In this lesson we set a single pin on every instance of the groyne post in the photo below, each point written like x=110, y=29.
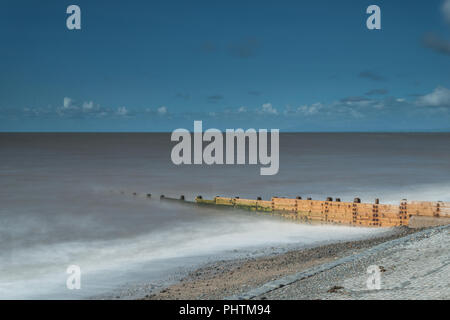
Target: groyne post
x=375, y=220
x=403, y=212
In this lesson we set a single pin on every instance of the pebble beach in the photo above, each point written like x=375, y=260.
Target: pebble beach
x=234, y=279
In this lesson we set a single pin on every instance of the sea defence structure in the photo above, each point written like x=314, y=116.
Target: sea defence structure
x=350, y=213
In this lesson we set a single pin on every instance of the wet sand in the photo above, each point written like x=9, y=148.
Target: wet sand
x=224, y=279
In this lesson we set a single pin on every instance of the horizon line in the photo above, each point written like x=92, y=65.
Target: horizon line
x=405, y=131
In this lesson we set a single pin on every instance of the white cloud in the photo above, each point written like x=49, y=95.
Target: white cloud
x=310, y=109
x=162, y=110
x=356, y=114
x=87, y=106
x=446, y=10
x=122, y=111
x=242, y=109
x=356, y=101
x=268, y=109
x=337, y=108
x=67, y=102
x=379, y=105
x=72, y=109
x=440, y=97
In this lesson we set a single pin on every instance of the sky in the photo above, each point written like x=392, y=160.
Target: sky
x=159, y=65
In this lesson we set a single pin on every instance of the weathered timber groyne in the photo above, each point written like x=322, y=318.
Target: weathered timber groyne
x=335, y=211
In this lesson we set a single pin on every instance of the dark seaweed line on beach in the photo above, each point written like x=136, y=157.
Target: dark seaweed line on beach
x=276, y=284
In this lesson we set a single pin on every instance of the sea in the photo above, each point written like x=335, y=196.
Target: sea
x=81, y=199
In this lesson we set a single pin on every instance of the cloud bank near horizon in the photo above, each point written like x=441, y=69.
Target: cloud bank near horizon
x=348, y=110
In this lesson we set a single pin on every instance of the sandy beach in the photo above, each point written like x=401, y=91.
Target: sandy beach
x=230, y=279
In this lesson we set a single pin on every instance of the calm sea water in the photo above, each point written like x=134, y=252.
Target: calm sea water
x=61, y=202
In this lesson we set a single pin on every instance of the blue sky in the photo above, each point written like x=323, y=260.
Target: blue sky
x=160, y=65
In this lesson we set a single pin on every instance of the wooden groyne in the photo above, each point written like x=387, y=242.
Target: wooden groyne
x=415, y=214
x=337, y=211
